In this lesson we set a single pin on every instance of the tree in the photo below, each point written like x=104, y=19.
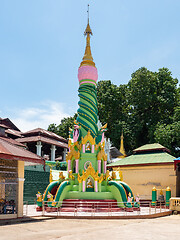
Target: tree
x=147, y=109
x=112, y=108
x=152, y=99
x=63, y=128
x=169, y=134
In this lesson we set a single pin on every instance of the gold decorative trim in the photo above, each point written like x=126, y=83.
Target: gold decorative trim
x=80, y=178
x=120, y=174
x=79, y=146
x=50, y=176
x=102, y=155
x=89, y=138
x=101, y=178
x=39, y=197
x=71, y=175
x=73, y=153
x=113, y=175
x=90, y=172
x=97, y=146
x=69, y=143
x=106, y=175
x=104, y=127
x=100, y=145
x=61, y=176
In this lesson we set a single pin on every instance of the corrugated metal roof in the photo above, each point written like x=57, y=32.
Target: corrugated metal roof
x=151, y=147
x=115, y=152
x=13, y=141
x=10, y=151
x=149, y=158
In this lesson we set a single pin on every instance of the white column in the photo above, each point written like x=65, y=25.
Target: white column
x=64, y=154
x=53, y=150
x=107, y=149
x=38, y=148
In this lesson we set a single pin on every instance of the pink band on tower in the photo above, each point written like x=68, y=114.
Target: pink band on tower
x=87, y=72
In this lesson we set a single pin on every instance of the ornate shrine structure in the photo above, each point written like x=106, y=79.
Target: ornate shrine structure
x=88, y=177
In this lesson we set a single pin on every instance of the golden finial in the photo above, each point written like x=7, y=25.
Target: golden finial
x=88, y=59
x=161, y=192
x=122, y=150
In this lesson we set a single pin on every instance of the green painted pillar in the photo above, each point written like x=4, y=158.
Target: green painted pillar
x=168, y=195
x=80, y=186
x=154, y=196
x=99, y=187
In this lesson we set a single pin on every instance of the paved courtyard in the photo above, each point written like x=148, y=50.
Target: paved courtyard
x=63, y=229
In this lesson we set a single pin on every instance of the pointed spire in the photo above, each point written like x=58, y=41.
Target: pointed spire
x=87, y=59
x=88, y=29
x=122, y=150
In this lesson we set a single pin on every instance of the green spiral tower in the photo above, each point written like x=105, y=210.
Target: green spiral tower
x=87, y=75
x=88, y=178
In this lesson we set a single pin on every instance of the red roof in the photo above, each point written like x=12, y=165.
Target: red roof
x=3, y=126
x=14, y=132
x=9, y=151
x=40, y=131
x=10, y=140
x=8, y=123
x=42, y=139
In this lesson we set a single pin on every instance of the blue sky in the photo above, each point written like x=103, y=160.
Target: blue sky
x=42, y=44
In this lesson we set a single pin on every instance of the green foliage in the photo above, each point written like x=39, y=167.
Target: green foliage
x=169, y=135
x=63, y=128
x=152, y=98
x=113, y=109
x=147, y=109
x=149, y=100
x=61, y=166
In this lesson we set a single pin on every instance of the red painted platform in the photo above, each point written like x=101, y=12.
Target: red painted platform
x=89, y=203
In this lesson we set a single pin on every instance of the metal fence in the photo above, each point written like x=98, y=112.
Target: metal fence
x=82, y=208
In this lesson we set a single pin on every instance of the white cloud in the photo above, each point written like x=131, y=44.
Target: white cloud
x=40, y=116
